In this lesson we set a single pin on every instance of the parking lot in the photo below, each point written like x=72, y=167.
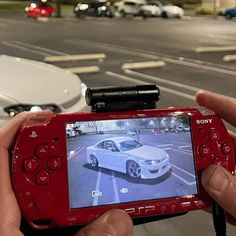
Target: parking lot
x=181, y=56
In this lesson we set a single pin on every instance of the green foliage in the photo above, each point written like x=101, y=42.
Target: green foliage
x=20, y=5
x=207, y=11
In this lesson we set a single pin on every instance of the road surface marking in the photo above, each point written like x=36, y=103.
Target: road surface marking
x=116, y=194
x=164, y=145
x=142, y=65
x=136, y=81
x=77, y=151
x=157, y=79
x=118, y=49
x=42, y=49
x=168, y=82
x=95, y=200
x=83, y=69
x=185, y=181
x=186, y=172
x=183, y=151
x=216, y=49
x=228, y=58
x=64, y=58
x=43, y=19
x=24, y=48
x=150, y=55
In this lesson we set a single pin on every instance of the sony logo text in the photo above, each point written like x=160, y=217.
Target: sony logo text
x=203, y=121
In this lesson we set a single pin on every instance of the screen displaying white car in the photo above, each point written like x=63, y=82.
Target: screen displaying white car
x=129, y=156
x=119, y=158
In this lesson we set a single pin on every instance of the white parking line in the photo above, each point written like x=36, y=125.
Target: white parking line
x=157, y=79
x=115, y=188
x=168, y=82
x=228, y=58
x=136, y=81
x=150, y=55
x=183, y=148
x=110, y=47
x=24, y=48
x=186, y=172
x=142, y=65
x=95, y=56
x=182, y=151
x=43, y=19
x=164, y=145
x=83, y=69
x=97, y=188
x=49, y=51
x=185, y=181
x=78, y=150
x=216, y=49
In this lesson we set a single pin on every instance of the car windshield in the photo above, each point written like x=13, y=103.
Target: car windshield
x=129, y=144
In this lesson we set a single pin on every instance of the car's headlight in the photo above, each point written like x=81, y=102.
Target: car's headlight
x=13, y=110
x=83, y=88
x=149, y=162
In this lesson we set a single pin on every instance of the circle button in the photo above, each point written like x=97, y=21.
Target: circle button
x=226, y=148
x=204, y=150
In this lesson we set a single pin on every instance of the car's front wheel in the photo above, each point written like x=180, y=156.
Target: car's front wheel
x=164, y=14
x=133, y=169
x=93, y=161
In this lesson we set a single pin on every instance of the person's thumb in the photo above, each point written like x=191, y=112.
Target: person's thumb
x=221, y=186
x=113, y=223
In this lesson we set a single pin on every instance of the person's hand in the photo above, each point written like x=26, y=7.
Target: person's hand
x=113, y=223
x=217, y=181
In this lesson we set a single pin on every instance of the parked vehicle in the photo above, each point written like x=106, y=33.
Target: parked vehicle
x=93, y=8
x=34, y=85
x=70, y=132
x=126, y=155
x=39, y=9
x=165, y=10
x=150, y=9
x=229, y=13
x=130, y=7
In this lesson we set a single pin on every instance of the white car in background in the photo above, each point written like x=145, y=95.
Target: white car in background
x=130, y=7
x=126, y=155
x=27, y=85
x=165, y=10
x=150, y=9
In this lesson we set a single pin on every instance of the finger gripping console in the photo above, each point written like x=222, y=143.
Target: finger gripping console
x=69, y=169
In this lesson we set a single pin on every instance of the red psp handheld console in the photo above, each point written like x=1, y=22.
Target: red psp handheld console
x=68, y=169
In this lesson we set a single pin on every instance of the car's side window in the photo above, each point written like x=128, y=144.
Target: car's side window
x=114, y=147
x=101, y=145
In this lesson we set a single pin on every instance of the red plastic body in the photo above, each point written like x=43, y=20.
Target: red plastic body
x=47, y=204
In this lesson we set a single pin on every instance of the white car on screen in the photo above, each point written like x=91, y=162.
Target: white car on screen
x=129, y=156
x=28, y=85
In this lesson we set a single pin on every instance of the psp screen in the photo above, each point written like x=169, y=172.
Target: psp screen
x=120, y=161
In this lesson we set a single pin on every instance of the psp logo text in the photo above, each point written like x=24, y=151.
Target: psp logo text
x=203, y=121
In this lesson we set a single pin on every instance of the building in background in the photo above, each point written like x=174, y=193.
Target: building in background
x=219, y=3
